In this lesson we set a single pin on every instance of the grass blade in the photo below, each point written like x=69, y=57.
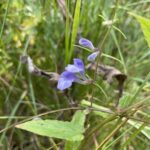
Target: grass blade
x=74, y=28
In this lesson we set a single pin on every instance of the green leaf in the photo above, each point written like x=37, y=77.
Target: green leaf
x=145, y=25
x=54, y=128
x=67, y=32
x=104, y=111
x=75, y=27
x=78, y=119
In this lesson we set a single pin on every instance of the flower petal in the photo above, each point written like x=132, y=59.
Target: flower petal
x=63, y=84
x=86, y=43
x=69, y=76
x=72, y=68
x=79, y=64
x=92, y=56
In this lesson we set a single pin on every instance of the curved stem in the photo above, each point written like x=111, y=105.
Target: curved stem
x=90, y=133
x=116, y=130
x=102, y=43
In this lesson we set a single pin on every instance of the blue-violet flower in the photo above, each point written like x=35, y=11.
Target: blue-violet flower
x=88, y=44
x=73, y=73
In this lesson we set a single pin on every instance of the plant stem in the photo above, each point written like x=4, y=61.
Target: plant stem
x=89, y=135
x=115, y=130
x=102, y=43
x=4, y=20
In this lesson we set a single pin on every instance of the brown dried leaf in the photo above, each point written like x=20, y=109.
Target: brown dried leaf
x=51, y=76
x=109, y=73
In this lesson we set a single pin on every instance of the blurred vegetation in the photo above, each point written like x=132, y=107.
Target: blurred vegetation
x=38, y=28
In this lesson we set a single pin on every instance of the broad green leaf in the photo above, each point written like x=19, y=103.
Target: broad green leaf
x=72, y=145
x=145, y=25
x=78, y=119
x=54, y=128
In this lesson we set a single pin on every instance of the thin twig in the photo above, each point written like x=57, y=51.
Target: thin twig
x=50, y=112
x=115, y=130
x=98, y=57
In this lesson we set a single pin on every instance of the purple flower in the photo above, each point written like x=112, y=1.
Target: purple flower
x=86, y=43
x=92, y=56
x=65, y=80
x=74, y=73
x=78, y=66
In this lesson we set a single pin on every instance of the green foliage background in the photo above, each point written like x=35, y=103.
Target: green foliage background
x=38, y=28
